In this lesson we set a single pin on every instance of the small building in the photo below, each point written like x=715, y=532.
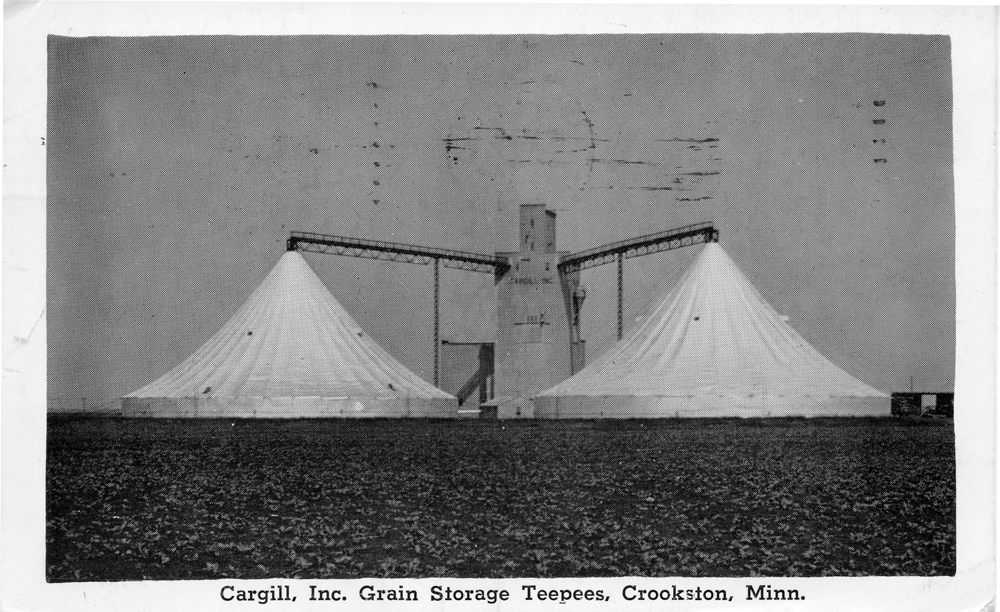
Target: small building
x=920, y=403
x=467, y=372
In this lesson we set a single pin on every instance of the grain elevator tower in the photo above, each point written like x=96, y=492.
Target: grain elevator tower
x=539, y=296
x=535, y=346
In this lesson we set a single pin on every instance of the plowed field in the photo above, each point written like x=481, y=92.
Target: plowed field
x=146, y=499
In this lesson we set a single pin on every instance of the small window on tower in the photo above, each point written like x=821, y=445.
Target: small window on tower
x=532, y=223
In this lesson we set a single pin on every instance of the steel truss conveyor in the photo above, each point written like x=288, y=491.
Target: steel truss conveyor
x=668, y=240
x=396, y=251
x=496, y=264
x=408, y=253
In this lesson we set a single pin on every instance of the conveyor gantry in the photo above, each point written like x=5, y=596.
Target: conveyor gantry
x=498, y=264
x=396, y=251
x=668, y=240
x=409, y=253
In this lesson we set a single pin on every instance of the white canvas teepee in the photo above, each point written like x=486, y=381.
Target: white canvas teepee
x=712, y=348
x=290, y=351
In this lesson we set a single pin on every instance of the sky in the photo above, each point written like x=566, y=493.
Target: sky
x=176, y=167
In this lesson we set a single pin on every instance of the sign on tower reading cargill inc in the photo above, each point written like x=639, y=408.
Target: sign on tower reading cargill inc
x=538, y=340
x=533, y=344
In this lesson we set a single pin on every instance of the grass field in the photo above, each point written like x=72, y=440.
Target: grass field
x=144, y=499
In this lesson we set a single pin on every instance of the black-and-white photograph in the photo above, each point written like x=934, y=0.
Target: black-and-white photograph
x=500, y=306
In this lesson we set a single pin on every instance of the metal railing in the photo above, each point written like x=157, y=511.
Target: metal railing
x=396, y=251
x=676, y=238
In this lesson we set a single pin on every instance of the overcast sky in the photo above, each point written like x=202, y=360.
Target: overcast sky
x=177, y=166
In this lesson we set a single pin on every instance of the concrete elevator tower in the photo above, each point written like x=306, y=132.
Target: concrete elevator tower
x=539, y=296
x=537, y=339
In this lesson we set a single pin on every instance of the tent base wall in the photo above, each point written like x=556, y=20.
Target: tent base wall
x=706, y=406
x=287, y=407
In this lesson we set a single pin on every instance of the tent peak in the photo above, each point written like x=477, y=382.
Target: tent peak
x=711, y=347
x=290, y=351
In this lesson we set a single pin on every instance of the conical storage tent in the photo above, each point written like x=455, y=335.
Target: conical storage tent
x=712, y=348
x=291, y=351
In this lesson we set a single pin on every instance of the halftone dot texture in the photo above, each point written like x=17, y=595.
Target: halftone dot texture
x=290, y=351
x=713, y=347
x=177, y=166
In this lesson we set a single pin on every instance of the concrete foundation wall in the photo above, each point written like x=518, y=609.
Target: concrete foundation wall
x=287, y=407
x=653, y=407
